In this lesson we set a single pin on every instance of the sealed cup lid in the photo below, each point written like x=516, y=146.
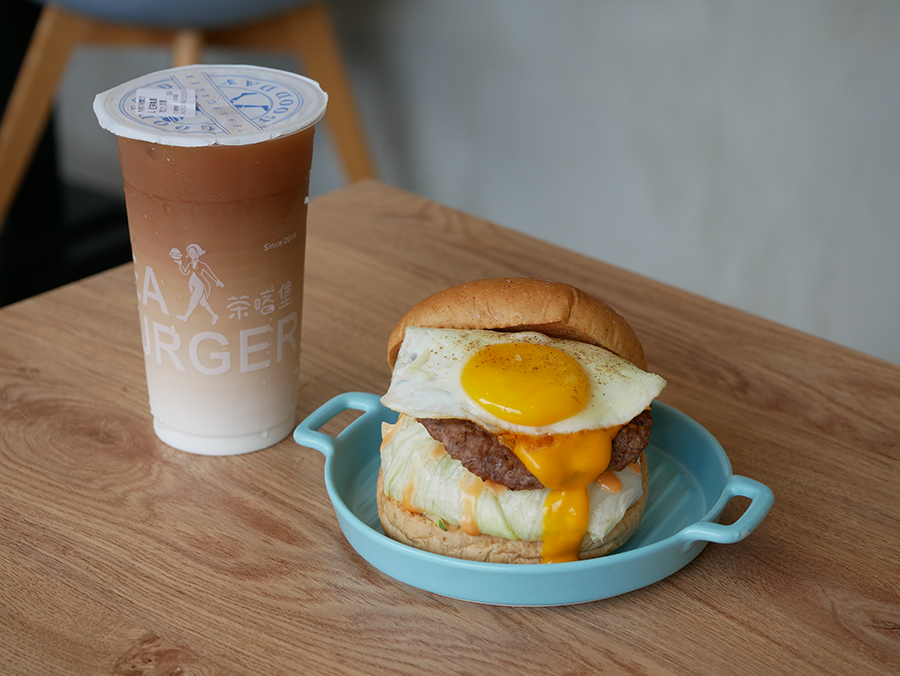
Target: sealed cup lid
x=207, y=105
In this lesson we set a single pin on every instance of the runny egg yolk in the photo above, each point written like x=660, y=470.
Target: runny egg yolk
x=526, y=383
x=536, y=385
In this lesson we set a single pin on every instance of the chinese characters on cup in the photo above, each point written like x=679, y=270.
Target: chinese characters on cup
x=163, y=342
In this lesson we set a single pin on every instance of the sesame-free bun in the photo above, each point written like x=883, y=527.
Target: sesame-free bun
x=421, y=532
x=523, y=304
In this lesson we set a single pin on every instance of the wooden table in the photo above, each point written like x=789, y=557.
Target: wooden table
x=119, y=555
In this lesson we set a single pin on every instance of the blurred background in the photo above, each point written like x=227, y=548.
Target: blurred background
x=746, y=151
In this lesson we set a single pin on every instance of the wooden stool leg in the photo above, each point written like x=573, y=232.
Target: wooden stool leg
x=312, y=38
x=188, y=48
x=307, y=32
x=28, y=109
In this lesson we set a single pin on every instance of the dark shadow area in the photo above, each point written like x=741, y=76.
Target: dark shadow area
x=54, y=234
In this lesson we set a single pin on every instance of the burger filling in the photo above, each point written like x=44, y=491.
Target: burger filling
x=488, y=457
x=420, y=474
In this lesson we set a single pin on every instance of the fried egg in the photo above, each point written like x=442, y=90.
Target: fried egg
x=522, y=383
x=557, y=403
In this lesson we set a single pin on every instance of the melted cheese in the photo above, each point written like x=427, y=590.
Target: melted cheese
x=566, y=464
x=565, y=523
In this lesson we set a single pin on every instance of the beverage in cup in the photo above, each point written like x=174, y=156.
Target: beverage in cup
x=216, y=161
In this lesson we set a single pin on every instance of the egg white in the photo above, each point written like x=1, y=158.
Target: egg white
x=426, y=382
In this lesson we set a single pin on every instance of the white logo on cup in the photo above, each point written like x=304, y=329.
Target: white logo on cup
x=200, y=281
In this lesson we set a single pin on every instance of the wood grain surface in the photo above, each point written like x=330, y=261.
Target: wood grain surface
x=119, y=555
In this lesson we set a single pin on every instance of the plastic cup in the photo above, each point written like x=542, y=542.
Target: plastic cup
x=216, y=161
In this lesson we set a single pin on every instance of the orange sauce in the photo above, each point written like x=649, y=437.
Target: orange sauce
x=609, y=482
x=409, y=492
x=390, y=430
x=470, y=487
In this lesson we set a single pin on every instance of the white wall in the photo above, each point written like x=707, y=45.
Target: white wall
x=746, y=151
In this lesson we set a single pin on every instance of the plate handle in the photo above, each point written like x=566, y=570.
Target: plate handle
x=761, y=500
x=307, y=432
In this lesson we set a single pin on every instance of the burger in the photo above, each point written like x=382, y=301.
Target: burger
x=524, y=411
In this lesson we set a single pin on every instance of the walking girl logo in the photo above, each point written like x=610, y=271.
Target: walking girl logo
x=200, y=280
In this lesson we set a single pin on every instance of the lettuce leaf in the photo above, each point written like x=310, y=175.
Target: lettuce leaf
x=418, y=472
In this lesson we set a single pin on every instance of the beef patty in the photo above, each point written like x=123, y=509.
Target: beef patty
x=486, y=456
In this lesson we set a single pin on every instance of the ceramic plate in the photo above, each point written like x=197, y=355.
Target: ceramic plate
x=690, y=484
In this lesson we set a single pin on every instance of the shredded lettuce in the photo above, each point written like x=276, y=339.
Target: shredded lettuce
x=411, y=458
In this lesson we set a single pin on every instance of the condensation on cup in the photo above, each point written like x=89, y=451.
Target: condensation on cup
x=215, y=161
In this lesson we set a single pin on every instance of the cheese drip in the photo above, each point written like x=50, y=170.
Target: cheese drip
x=566, y=464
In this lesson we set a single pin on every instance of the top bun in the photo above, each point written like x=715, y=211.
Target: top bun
x=523, y=304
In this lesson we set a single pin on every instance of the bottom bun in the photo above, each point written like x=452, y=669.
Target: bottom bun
x=421, y=532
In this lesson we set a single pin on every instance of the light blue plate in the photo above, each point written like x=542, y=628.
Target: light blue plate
x=690, y=484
